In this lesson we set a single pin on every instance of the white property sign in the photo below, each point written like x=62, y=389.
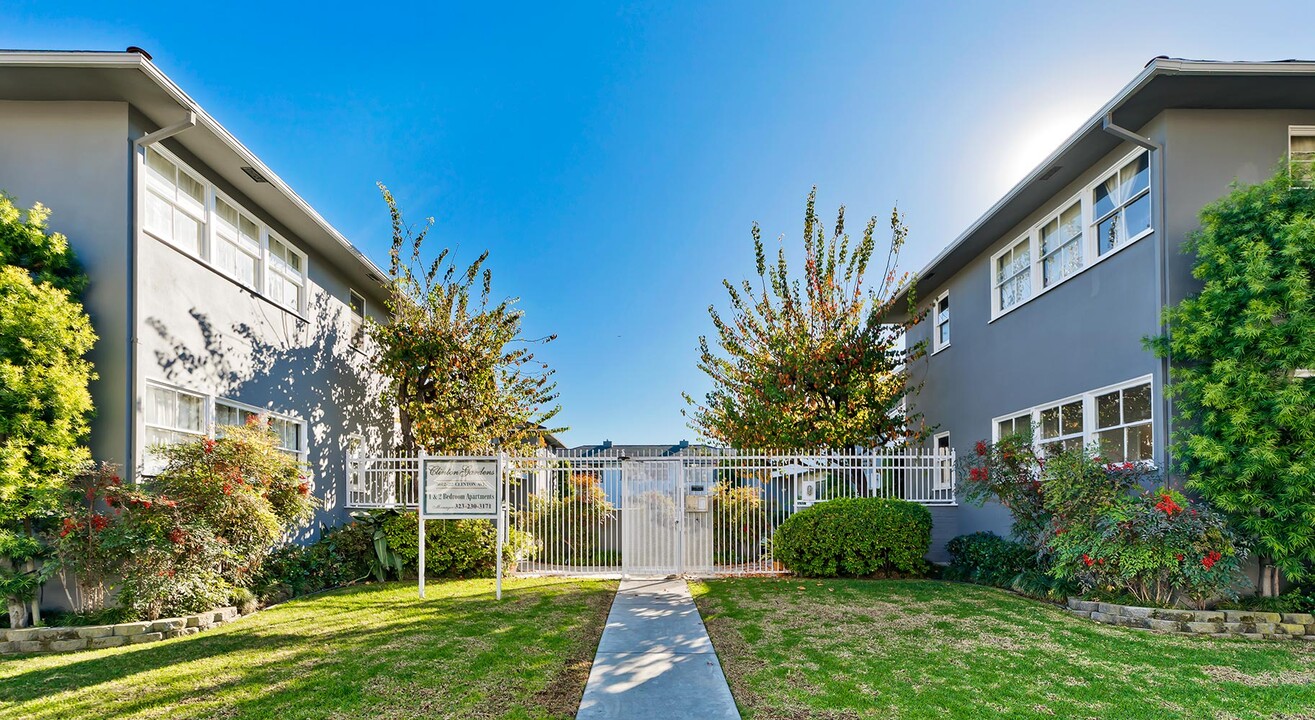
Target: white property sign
x=459, y=488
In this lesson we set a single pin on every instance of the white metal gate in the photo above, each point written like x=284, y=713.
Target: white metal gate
x=695, y=511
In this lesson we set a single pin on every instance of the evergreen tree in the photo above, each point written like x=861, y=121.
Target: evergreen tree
x=1245, y=437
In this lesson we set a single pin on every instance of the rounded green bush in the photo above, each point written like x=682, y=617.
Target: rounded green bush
x=855, y=537
x=988, y=559
x=453, y=548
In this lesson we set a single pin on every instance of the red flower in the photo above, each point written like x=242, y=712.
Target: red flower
x=1059, y=531
x=1179, y=556
x=91, y=493
x=99, y=522
x=146, y=504
x=209, y=445
x=978, y=474
x=176, y=536
x=115, y=480
x=1211, y=558
x=980, y=448
x=228, y=489
x=304, y=488
x=1087, y=559
x=1100, y=560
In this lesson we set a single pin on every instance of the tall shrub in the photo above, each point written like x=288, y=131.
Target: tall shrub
x=1245, y=430
x=45, y=404
x=818, y=359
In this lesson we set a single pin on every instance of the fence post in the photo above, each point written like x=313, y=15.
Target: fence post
x=502, y=519
x=420, y=511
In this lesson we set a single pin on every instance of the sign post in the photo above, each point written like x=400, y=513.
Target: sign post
x=461, y=488
x=502, y=524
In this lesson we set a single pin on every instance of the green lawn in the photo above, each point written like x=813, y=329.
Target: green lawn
x=928, y=649
x=368, y=652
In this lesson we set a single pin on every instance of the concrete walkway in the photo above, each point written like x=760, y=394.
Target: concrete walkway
x=655, y=660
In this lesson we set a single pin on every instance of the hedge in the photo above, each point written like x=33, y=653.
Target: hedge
x=855, y=537
x=453, y=548
x=988, y=559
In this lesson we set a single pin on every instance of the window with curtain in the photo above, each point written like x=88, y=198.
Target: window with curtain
x=174, y=204
x=285, y=276
x=1013, y=274
x=1061, y=245
x=1121, y=205
x=236, y=244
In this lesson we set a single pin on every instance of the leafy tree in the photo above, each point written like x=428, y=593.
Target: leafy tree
x=44, y=400
x=1245, y=437
x=817, y=361
x=463, y=377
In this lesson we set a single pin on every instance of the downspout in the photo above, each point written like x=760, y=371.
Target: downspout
x=1158, y=202
x=130, y=413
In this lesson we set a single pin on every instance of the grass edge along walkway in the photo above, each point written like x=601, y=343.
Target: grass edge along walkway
x=930, y=649
x=365, y=651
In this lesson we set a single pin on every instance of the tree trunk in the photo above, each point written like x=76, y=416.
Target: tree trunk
x=1269, y=579
x=17, y=613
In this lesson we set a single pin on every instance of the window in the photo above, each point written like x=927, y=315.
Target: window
x=286, y=274
x=178, y=207
x=1301, y=154
x=944, y=478
x=173, y=205
x=1061, y=427
x=237, y=246
x=357, y=329
x=1013, y=274
x=1099, y=219
x=1061, y=245
x=1121, y=205
x=1013, y=426
x=292, y=438
x=230, y=415
x=942, y=338
x=1123, y=424
x=171, y=416
x=1118, y=418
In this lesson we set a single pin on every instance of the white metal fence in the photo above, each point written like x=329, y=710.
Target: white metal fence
x=696, y=511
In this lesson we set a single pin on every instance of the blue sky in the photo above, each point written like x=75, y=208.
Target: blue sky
x=613, y=157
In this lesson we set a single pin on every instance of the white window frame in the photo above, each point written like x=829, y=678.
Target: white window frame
x=1090, y=433
x=997, y=308
x=1089, y=243
x=357, y=320
x=206, y=253
x=944, y=478
x=1095, y=221
x=937, y=345
x=150, y=463
x=1299, y=131
x=144, y=189
x=300, y=281
x=209, y=412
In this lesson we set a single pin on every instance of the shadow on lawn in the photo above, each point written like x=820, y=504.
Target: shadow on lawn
x=318, y=655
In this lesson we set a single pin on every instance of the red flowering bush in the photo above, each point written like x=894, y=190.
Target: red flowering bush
x=1156, y=546
x=1009, y=472
x=184, y=540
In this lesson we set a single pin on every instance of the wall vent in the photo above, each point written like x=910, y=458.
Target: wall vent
x=251, y=173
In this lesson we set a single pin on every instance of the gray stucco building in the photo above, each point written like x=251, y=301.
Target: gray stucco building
x=1037, y=312
x=216, y=291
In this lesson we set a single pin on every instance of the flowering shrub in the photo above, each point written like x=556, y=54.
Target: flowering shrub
x=1157, y=546
x=1009, y=472
x=200, y=528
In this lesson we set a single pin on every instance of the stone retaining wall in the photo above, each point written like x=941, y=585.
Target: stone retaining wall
x=1216, y=623
x=63, y=639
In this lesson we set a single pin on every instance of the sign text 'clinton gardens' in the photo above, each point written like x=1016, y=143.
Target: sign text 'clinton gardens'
x=460, y=488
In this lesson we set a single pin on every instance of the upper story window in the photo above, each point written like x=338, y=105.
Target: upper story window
x=1102, y=217
x=174, y=204
x=1061, y=245
x=357, y=329
x=1301, y=154
x=1122, y=205
x=1013, y=274
x=180, y=208
x=285, y=281
x=1118, y=418
x=942, y=338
